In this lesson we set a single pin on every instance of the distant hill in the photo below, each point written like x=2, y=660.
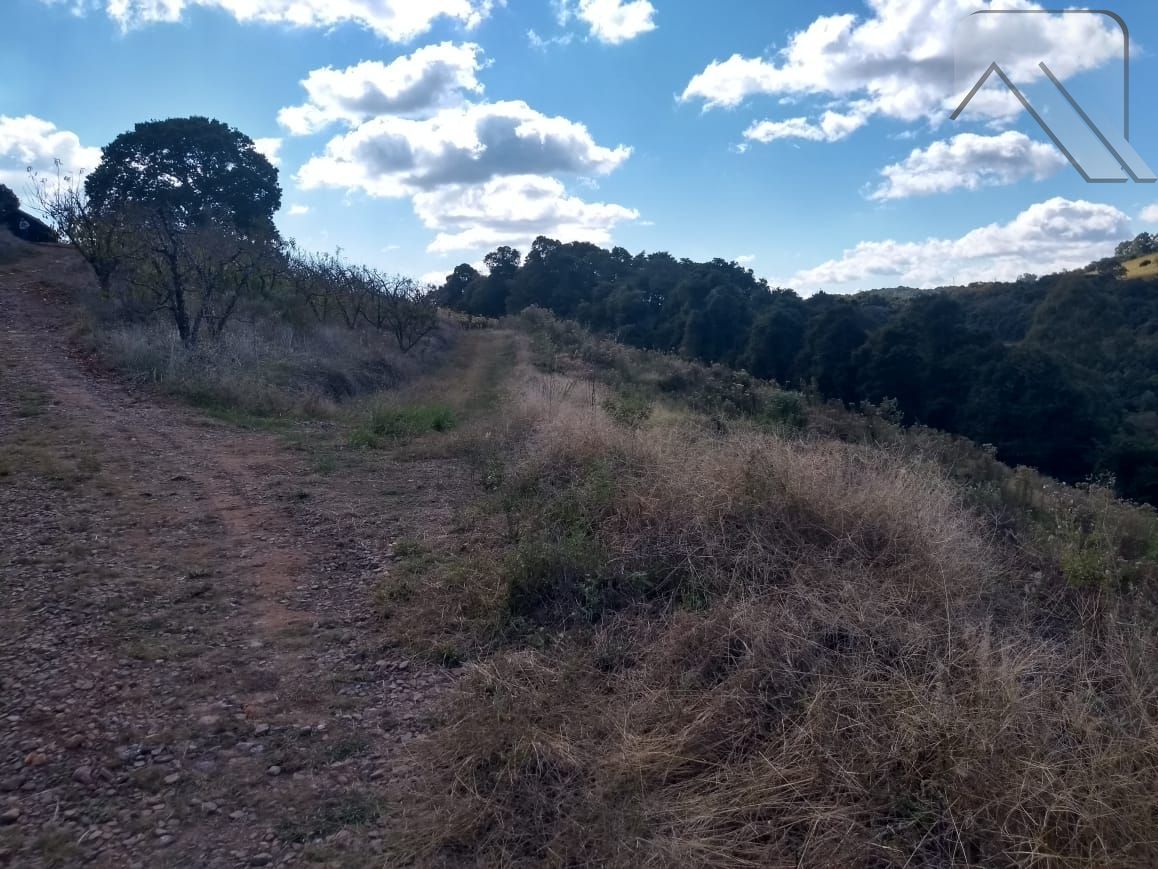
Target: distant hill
x=1057, y=372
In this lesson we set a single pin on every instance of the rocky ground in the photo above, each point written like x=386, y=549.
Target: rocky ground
x=192, y=672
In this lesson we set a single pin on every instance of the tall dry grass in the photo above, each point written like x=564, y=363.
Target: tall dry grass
x=739, y=649
x=263, y=367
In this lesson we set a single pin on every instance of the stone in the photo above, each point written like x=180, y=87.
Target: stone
x=83, y=775
x=11, y=816
x=274, y=770
x=262, y=859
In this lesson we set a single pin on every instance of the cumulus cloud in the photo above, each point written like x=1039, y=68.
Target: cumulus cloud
x=1049, y=236
x=969, y=162
x=832, y=127
x=392, y=157
x=513, y=210
x=477, y=173
x=396, y=20
x=433, y=77
x=1149, y=214
x=612, y=21
x=271, y=148
x=298, y=210
x=901, y=62
x=29, y=141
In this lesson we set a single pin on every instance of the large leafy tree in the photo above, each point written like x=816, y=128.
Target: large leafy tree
x=190, y=170
x=197, y=200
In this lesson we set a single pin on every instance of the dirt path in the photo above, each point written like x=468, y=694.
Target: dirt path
x=191, y=669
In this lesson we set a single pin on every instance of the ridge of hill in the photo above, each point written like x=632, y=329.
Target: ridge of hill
x=1056, y=372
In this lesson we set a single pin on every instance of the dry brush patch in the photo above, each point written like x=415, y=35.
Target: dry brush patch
x=741, y=649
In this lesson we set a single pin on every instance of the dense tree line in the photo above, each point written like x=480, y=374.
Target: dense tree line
x=1059, y=373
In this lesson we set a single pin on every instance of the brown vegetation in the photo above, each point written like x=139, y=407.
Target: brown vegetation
x=698, y=642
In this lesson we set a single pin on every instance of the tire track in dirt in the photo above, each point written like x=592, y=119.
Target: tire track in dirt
x=202, y=681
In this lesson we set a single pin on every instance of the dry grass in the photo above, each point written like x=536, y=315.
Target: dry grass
x=742, y=649
x=1142, y=267
x=263, y=368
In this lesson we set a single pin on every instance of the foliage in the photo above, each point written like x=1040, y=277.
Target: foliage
x=191, y=170
x=1056, y=372
x=387, y=425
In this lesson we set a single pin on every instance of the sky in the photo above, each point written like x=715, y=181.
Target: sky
x=811, y=142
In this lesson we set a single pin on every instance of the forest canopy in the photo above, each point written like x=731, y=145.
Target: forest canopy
x=1058, y=373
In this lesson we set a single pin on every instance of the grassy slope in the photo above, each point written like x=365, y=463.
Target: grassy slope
x=1135, y=269
x=701, y=639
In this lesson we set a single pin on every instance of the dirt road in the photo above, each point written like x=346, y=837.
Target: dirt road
x=191, y=669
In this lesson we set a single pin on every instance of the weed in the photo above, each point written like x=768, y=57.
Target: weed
x=390, y=426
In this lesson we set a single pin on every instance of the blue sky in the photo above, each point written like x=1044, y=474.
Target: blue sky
x=809, y=141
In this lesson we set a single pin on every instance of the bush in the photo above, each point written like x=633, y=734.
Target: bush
x=387, y=425
x=261, y=369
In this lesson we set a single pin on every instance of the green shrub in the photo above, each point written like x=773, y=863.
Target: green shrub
x=785, y=410
x=388, y=425
x=631, y=410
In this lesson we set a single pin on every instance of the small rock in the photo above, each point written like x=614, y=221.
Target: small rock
x=83, y=775
x=12, y=783
x=165, y=841
x=172, y=779
x=10, y=817
x=262, y=859
x=261, y=730
x=37, y=758
x=274, y=770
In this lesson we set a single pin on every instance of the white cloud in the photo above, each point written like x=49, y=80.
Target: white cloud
x=1149, y=214
x=392, y=157
x=29, y=141
x=271, y=148
x=513, y=210
x=418, y=84
x=477, y=174
x=1047, y=237
x=396, y=20
x=832, y=127
x=612, y=21
x=901, y=61
x=298, y=210
x=747, y=259
x=544, y=42
x=969, y=161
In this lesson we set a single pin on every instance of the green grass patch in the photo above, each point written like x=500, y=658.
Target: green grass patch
x=387, y=426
